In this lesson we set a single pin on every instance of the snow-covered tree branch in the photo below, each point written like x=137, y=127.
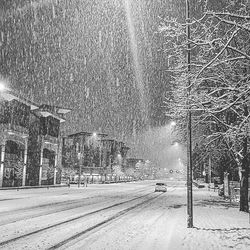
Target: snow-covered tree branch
x=219, y=80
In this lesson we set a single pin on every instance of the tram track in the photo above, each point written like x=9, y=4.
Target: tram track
x=55, y=225
x=68, y=205
x=101, y=224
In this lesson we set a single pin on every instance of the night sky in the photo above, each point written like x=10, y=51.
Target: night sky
x=101, y=58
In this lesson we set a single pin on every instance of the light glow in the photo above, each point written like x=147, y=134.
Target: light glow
x=2, y=87
x=173, y=123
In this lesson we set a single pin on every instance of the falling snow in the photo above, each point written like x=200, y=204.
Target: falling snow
x=99, y=58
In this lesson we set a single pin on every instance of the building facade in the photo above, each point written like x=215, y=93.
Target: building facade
x=44, y=147
x=30, y=141
x=14, y=132
x=92, y=156
x=82, y=156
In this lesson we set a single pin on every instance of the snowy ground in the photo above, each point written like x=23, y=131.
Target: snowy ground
x=119, y=216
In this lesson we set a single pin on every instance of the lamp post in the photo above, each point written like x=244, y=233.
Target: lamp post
x=101, y=171
x=79, y=156
x=189, y=124
x=111, y=165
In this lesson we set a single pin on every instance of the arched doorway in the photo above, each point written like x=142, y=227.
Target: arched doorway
x=48, y=167
x=13, y=164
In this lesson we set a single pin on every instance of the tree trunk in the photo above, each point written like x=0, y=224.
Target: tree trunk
x=244, y=181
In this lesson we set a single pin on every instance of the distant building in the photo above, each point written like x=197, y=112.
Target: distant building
x=93, y=154
x=82, y=154
x=133, y=162
x=115, y=155
x=142, y=169
x=110, y=152
x=124, y=152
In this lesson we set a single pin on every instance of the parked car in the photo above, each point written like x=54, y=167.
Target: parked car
x=160, y=187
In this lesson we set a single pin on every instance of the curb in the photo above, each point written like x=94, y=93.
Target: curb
x=33, y=187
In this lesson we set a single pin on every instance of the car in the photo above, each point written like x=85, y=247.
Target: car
x=160, y=187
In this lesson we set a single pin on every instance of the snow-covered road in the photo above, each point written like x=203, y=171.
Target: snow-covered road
x=119, y=216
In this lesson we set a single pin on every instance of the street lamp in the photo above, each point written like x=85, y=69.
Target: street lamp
x=119, y=158
x=111, y=165
x=2, y=87
x=79, y=156
x=189, y=123
x=172, y=123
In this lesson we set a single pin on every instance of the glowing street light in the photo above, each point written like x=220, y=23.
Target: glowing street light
x=172, y=123
x=119, y=158
x=2, y=87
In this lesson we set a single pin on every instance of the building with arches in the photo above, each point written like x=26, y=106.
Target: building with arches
x=30, y=141
x=14, y=133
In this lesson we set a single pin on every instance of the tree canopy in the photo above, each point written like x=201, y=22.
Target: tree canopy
x=218, y=79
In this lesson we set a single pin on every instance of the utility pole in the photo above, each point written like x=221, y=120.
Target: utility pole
x=189, y=124
x=100, y=160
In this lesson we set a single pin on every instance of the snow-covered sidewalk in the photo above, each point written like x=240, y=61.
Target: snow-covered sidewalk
x=218, y=225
